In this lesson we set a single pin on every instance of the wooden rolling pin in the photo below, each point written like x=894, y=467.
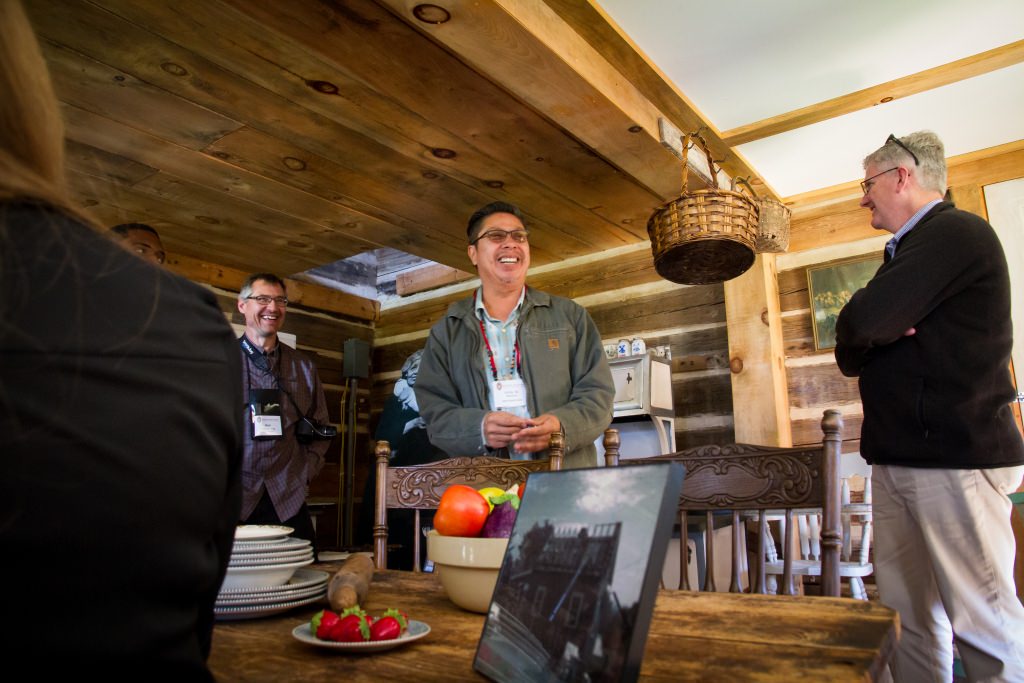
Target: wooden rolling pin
x=350, y=584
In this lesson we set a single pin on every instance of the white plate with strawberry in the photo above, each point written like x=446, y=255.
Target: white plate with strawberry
x=355, y=631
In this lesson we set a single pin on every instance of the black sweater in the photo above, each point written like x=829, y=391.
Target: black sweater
x=120, y=448
x=938, y=398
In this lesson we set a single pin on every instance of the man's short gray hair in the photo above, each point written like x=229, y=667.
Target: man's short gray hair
x=246, y=290
x=930, y=153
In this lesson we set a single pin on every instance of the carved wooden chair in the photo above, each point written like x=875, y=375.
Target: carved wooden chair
x=754, y=481
x=420, y=487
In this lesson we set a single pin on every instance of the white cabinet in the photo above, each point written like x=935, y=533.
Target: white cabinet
x=643, y=385
x=643, y=409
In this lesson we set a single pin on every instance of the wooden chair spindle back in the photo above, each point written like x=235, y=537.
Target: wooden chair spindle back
x=751, y=481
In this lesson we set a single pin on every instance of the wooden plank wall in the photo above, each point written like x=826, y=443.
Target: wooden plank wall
x=813, y=378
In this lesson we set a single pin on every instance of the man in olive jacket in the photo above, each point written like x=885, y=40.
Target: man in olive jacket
x=509, y=366
x=930, y=338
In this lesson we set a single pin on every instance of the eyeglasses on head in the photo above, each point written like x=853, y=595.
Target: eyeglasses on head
x=896, y=141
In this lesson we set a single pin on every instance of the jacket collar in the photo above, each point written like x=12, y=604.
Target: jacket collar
x=463, y=308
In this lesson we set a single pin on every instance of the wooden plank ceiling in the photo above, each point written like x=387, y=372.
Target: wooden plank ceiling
x=283, y=136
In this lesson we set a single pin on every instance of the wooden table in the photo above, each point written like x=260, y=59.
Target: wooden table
x=693, y=637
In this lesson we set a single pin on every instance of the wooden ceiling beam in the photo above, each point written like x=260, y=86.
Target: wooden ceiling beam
x=429, y=277
x=987, y=166
x=595, y=26
x=547, y=64
x=305, y=294
x=968, y=67
x=418, y=98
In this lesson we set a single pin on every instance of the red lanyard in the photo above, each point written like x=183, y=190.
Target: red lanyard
x=490, y=354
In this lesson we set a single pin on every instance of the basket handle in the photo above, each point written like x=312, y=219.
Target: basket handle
x=746, y=182
x=698, y=141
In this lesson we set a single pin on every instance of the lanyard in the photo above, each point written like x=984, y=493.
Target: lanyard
x=260, y=360
x=490, y=353
x=258, y=357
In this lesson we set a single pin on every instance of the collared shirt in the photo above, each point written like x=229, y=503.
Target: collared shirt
x=892, y=244
x=501, y=336
x=283, y=467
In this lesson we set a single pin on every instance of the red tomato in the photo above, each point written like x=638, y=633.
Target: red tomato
x=461, y=512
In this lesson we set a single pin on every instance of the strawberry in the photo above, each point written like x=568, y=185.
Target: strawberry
x=322, y=623
x=385, y=628
x=350, y=629
x=401, y=617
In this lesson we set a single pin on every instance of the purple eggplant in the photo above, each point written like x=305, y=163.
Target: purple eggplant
x=499, y=523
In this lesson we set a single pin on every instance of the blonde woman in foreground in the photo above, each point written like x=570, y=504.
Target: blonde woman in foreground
x=120, y=422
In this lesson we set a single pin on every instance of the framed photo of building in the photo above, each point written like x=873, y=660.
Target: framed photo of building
x=576, y=589
x=829, y=287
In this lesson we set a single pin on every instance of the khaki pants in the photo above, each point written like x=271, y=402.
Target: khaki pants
x=944, y=553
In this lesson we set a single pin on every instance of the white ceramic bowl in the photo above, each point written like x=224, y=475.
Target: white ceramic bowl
x=261, y=577
x=468, y=567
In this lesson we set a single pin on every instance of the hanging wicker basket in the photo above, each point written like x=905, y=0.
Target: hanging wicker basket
x=772, y=225
x=706, y=236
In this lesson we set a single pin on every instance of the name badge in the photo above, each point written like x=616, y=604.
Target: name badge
x=264, y=426
x=265, y=413
x=508, y=393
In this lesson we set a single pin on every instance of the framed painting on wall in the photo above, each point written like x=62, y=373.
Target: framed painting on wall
x=829, y=287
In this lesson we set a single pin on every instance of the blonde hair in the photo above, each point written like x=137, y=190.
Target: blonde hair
x=31, y=129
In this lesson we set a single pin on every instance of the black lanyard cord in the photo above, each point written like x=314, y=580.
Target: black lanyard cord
x=259, y=359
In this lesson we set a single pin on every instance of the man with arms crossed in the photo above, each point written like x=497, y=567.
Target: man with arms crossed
x=509, y=366
x=930, y=338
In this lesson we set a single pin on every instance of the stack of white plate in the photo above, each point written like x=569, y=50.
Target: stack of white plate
x=265, y=574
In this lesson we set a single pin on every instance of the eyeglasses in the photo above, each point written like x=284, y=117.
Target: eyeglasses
x=895, y=140
x=264, y=300
x=867, y=184
x=499, y=236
